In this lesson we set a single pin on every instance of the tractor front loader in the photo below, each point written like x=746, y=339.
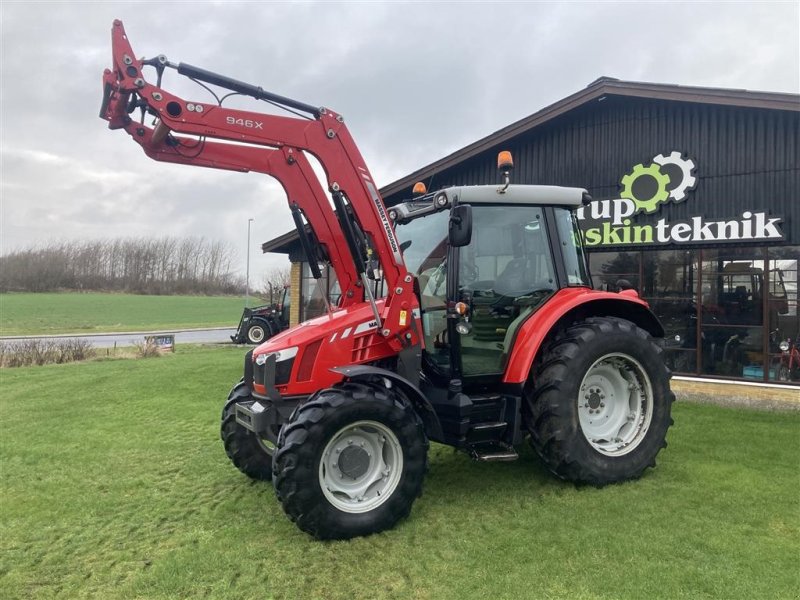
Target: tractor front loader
x=488, y=333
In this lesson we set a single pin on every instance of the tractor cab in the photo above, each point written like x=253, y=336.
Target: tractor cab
x=522, y=245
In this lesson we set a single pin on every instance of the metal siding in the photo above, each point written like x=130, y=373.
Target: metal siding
x=747, y=158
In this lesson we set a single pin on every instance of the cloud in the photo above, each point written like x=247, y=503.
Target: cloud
x=415, y=81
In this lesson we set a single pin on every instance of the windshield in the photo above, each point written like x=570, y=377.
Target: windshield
x=424, y=242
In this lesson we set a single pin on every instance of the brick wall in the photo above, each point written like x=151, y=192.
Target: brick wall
x=294, y=279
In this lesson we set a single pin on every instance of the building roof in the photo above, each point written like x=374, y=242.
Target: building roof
x=598, y=89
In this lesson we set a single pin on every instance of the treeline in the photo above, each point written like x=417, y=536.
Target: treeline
x=165, y=265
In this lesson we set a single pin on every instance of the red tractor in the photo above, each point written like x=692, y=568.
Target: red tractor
x=488, y=330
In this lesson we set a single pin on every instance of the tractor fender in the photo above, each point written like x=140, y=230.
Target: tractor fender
x=433, y=429
x=568, y=306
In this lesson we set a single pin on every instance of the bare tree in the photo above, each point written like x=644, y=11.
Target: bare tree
x=142, y=265
x=273, y=282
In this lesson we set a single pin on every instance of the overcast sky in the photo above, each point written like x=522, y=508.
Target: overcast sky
x=415, y=81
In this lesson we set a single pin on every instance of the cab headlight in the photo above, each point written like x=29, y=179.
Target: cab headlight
x=280, y=355
x=784, y=346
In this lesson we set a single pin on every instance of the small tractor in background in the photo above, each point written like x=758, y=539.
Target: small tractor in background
x=260, y=323
x=488, y=333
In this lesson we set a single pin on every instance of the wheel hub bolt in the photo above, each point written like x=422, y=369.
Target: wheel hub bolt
x=602, y=405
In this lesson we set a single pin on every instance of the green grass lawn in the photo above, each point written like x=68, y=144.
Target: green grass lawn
x=97, y=312
x=115, y=485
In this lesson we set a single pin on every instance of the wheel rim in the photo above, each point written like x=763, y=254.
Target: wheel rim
x=615, y=404
x=256, y=334
x=361, y=466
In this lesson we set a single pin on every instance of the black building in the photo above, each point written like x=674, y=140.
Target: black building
x=696, y=206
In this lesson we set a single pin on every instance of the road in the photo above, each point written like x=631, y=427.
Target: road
x=129, y=338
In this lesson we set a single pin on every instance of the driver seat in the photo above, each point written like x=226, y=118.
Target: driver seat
x=517, y=279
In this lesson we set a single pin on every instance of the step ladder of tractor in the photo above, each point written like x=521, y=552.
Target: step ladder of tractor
x=493, y=452
x=493, y=427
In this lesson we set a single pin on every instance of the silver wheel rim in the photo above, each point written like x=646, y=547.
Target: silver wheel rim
x=361, y=466
x=256, y=334
x=615, y=404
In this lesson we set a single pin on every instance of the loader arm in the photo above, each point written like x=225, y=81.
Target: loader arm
x=263, y=143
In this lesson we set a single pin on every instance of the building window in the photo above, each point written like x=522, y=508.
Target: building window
x=732, y=303
x=313, y=292
x=726, y=311
x=609, y=269
x=782, y=315
x=669, y=285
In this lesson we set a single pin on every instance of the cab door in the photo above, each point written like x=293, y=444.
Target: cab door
x=504, y=274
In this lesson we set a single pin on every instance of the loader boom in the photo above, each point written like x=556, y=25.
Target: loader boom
x=209, y=135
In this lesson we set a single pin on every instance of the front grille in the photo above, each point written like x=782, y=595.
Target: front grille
x=283, y=370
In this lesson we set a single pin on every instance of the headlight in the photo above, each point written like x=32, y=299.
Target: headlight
x=677, y=337
x=463, y=327
x=784, y=346
x=280, y=355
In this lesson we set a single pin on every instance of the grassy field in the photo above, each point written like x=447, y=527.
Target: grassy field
x=23, y=314
x=115, y=485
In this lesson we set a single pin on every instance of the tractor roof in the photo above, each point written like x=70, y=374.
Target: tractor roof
x=550, y=195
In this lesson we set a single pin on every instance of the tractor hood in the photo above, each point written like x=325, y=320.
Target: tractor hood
x=305, y=354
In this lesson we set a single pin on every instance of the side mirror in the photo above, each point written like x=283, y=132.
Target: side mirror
x=460, y=228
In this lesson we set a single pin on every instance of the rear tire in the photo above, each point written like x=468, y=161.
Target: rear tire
x=350, y=461
x=245, y=450
x=600, y=406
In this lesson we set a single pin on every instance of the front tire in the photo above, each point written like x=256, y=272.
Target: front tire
x=246, y=451
x=350, y=461
x=600, y=406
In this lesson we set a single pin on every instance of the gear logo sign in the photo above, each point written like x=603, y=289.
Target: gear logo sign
x=666, y=178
